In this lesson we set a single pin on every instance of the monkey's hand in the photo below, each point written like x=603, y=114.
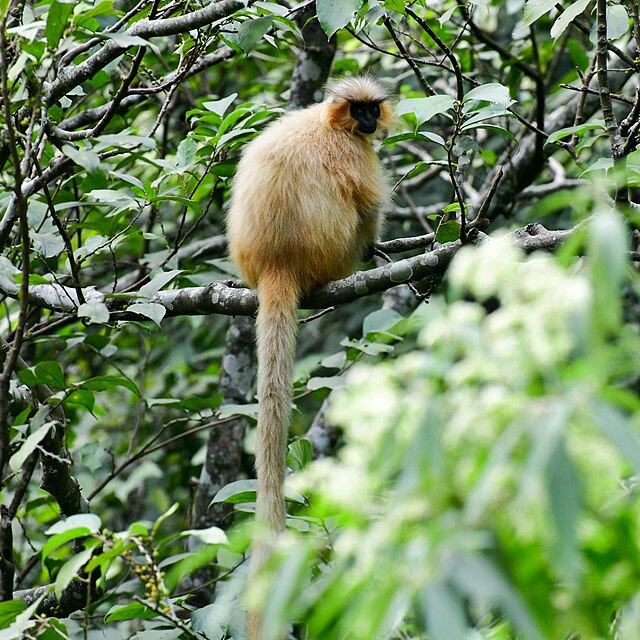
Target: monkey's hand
x=235, y=284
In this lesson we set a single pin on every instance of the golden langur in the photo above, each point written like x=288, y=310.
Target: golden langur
x=305, y=209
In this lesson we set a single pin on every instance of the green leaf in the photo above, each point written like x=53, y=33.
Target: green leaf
x=149, y=310
x=69, y=570
x=326, y=382
x=28, y=446
x=494, y=128
x=140, y=529
x=49, y=372
x=57, y=17
x=291, y=578
x=125, y=41
x=237, y=492
x=96, y=312
x=90, y=521
x=448, y=231
x=224, y=169
x=119, y=140
x=48, y=245
x=245, y=491
x=212, y=535
x=479, y=577
x=533, y=10
x=186, y=153
x=607, y=247
x=185, y=564
x=426, y=108
x=85, y=158
x=366, y=347
x=132, y=611
x=113, y=197
x=219, y=106
x=158, y=282
x=601, y=164
x=9, y=610
x=493, y=110
x=334, y=361
x=617, y=21
x=568, y=16
x=211, y=621
x=167, y=514
x=246, y=410
x=394, y=5
x=22, y=621
x=198, y=403
x=563, y=490
x=232, y=119
x=102, y=383
x=335, y=14
x=619, y=430
x=380, y=321
x=59, y=539
x=578, y=130
x=425, y=136
x=187, y=202
x=250, y=32
x=493, y=92
x=103, y=560
x=444, y=612
x=300, y=454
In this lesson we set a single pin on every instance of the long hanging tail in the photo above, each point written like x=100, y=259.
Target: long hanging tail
x=276, y=330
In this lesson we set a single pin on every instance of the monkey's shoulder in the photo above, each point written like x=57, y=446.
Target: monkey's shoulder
x=309, y=132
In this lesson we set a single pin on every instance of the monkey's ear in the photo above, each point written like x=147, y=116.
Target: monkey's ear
x=338, y=116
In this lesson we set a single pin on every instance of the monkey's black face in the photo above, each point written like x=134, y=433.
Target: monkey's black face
x=366, y=114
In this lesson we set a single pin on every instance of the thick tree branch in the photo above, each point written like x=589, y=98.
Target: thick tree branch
x=233, y=299
x=226, y=299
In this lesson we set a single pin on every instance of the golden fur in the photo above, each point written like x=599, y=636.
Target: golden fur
x=305, y=207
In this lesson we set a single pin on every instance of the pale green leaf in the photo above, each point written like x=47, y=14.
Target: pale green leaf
x=57, y=17
x=90, y=521
x=28, y=446
x=327, y=382
x=426, y=108
x=149, y=310
x=300, y=454
x=220, y=106
x=158, y=282
x=69, y=570
x=380, y=321
x=212, y=535
x=94, y=312
x=568, y=16
x=335, y=14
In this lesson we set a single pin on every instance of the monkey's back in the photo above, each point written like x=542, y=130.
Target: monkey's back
x=305, y=200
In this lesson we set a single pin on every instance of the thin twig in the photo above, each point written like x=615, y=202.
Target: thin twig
x=409, y=60
x=617, y=147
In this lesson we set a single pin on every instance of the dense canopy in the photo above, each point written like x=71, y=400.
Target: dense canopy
x=465, y=443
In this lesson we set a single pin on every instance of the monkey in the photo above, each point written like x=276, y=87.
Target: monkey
x=304, y=210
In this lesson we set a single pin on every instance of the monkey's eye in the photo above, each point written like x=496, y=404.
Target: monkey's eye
x=375, y=110
x=356, y=109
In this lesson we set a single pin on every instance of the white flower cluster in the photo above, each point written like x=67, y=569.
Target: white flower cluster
x=470, y=382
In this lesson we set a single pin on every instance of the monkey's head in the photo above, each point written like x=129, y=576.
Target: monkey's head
x=358, y=104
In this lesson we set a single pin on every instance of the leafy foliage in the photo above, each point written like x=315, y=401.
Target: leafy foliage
x=482, y=482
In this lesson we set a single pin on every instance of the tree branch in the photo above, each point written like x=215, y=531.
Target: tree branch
x=71, y=77
x=228, y=298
